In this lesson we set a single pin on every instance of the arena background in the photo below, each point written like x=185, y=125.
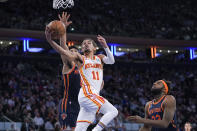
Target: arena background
x=150, y=39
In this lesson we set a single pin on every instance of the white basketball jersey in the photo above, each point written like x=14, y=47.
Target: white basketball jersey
x=91, y=75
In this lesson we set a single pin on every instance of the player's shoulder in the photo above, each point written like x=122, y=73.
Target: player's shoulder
x=169, y=101
x=170, y=98
x=148, y=104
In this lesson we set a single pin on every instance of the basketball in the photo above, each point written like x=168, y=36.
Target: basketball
x=58, y=29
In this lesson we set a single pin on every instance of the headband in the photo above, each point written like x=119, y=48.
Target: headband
x=165, y=86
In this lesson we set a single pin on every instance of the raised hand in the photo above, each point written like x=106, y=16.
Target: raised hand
x=102, y=41
x=64, y=18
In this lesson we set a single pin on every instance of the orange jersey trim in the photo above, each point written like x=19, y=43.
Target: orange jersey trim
x=86, y=95
x=158, y=100
x=71, y=70
x=86, y=82
x=88, y=86
x=149, y=107
x=83, y=63
x=84, y=121
x=65, y=92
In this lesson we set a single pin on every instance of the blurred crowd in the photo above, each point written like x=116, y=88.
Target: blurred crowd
x=30, y=91
x=168, y=19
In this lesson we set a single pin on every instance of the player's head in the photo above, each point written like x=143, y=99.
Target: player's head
x=73, y=49
x=160, y=87
x=88, y=45
x=187, y=126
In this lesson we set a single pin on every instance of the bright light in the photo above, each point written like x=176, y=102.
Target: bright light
x=79, y=47
x=136, y=49
x=35, y=49
x=24, y=46
x=168, y=51
x=119, y=49
x=97, y=48
x=112, y=49
x=177, y=51
x=192, y=54
x=72, y=29
x=10, y=43
x=160, y=50
x=27, y=44
x=128, y=49
x=1, y=42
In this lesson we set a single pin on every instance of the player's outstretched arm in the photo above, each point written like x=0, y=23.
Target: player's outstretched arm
x=58, y=48
x=109, y=59
x=146, y=127
x=64, y=19
x=169, y=106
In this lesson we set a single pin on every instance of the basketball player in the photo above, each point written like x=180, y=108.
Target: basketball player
x=68, y=106
x=91, y=71
x=160, y=112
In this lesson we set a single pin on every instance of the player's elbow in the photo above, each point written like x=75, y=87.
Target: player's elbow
x=112, y=61
x=165, y=124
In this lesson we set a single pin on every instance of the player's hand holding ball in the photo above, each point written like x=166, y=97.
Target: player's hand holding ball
x=102, y=41
x=48, y=33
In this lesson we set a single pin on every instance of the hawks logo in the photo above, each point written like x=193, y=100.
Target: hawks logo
x=63, y=116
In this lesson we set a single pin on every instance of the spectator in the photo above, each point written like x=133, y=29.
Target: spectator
x=39, y=122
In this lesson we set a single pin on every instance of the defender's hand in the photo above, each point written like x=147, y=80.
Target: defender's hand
x=64, y=18
x=136, y=119
x=102, y=41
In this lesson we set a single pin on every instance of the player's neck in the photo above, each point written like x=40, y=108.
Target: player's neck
x=157, y=98
x=89, y=55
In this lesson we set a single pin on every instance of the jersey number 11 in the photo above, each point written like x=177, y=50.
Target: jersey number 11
x=95, y=75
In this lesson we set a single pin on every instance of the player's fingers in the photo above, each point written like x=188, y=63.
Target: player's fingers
x=70, y=22
x=47, y=28
x=68, y=16
x=65, y=14
x=59, y=16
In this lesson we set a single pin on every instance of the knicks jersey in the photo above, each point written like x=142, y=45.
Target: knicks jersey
x=155, y=112
x=72, y=86
x=91, y=74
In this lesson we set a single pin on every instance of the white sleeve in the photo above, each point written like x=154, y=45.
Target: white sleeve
x=109, y=59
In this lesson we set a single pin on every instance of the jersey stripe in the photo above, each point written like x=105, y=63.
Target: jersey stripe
x=84, y=121
x=158, y=100
x=94, y=101
x=88, y=86
x=71, y=70
x=65, y=99
x=67, y=92
x=85, y=93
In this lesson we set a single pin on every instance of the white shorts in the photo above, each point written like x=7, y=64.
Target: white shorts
x=90, y=104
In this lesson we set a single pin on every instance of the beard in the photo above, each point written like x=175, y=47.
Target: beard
x=86, y=50
x=156, y=91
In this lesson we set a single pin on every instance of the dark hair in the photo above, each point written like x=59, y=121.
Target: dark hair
x=73, y=47
x=93, y=42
